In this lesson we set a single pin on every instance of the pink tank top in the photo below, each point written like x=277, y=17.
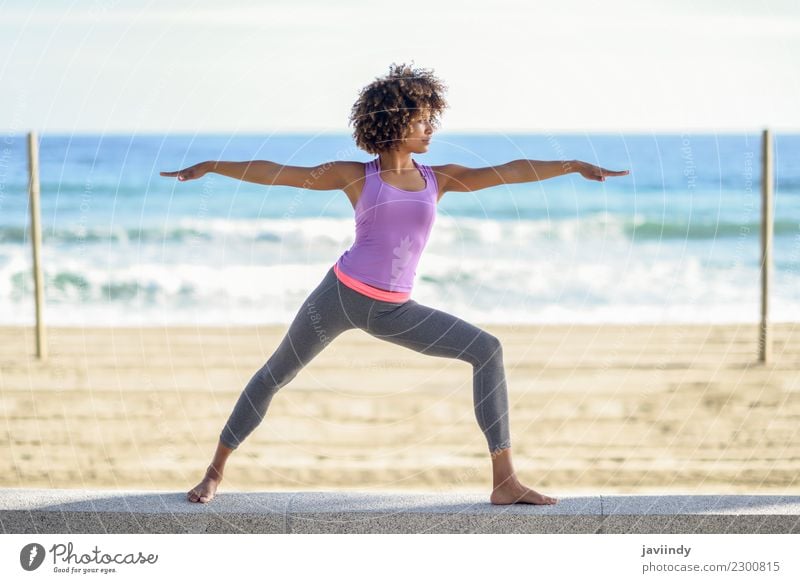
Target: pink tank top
x=392, y=229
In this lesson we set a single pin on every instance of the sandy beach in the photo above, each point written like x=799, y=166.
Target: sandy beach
x=600, y=409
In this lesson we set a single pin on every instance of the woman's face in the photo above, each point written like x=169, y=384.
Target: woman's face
x=419, y=133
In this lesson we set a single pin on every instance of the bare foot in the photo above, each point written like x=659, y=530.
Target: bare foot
x=516, y=493
x=205, y=490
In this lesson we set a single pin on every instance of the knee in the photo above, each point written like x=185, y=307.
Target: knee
x=271, y=378
x=487, y=347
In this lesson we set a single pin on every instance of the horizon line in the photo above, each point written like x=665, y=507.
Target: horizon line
x=477, y=132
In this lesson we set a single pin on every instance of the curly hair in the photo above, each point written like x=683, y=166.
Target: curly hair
x=387, y=106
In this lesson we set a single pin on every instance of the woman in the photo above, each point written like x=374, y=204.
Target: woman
x=369, y=286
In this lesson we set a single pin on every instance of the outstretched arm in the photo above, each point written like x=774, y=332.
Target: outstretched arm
x=462, y=179
x=329, y=176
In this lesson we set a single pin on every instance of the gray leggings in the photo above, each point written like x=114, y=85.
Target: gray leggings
x=333, y=308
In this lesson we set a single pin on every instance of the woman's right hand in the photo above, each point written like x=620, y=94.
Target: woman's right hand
x=190, y=173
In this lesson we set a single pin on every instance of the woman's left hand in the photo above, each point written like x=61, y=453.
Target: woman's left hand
x=591, y=172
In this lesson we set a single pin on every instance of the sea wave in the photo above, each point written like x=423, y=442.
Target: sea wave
x=450, y=228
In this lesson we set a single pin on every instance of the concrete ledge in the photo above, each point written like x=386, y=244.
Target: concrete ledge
x=108, y=511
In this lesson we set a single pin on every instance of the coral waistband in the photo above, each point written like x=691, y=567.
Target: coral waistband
x=368, y=290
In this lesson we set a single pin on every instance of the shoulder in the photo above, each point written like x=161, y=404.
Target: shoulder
x=352, y=174
x=444, y=174
x=350, y=171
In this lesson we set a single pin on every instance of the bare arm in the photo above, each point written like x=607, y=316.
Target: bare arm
x=463, y=179
x=328, y=176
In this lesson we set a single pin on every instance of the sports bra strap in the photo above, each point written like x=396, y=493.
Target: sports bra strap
x=425, y=169
x=431, y=178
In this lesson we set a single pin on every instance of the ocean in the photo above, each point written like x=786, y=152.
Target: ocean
x=678, y=240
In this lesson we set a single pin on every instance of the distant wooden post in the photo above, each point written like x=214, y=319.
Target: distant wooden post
x=36, y=240
x=767, y=181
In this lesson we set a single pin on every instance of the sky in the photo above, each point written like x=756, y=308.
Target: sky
x=198, y=66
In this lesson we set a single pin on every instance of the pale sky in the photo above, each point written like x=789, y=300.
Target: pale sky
x=510, y=66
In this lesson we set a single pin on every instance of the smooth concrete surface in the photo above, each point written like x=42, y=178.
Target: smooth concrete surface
x=108, y=511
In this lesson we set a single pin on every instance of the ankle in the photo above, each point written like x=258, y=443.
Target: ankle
x=507, y=482
x=213, y=473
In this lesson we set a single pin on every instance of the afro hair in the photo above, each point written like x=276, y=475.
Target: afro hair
x=387, y=106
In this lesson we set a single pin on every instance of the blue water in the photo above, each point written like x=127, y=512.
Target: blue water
x=675, y=241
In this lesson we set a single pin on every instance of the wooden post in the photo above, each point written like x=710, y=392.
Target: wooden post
x=767, y=181
x=36, y=240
